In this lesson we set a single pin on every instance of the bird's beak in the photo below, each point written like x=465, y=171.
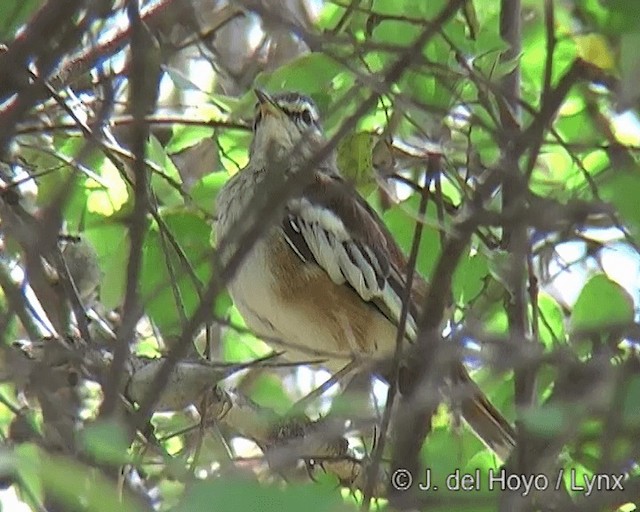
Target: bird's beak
x=267, y=105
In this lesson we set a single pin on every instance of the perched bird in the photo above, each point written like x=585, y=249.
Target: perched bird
x=328, y=278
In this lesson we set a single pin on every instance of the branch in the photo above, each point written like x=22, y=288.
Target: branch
x=143, y=85
x=263, y=210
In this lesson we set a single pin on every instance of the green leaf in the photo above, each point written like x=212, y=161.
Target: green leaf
x=172, y=296
x=496, y=320
x=241, y=346
x=106, y=441
x=534, y=58
x=629, y=67
x=602, y=303
x=401, y=221
x=413, y=8
x=111, y=194
x=13, y=13
x=395, y=32
x=550, y=321
x=622, y=189
x=313, y=74
x=545, y=421
x=55, y=173
x=481, y=140
x=267, y=390
x=205, y=190
x=444, y=453
x=76, y=485
x=111, y=243
x=165, y=184
x=577, y=124
x=234, y=146
x=612, y=17
x=469, y=278
x=355, y=160
x=330, y=15
x=187, y=136
x=630, y=410
x=236, y=495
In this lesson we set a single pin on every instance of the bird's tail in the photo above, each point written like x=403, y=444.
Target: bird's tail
x=484, y=419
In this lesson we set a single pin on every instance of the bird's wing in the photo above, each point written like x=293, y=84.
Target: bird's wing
x=332, y=226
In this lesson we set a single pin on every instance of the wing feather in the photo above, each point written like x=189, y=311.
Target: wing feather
x=332, y=226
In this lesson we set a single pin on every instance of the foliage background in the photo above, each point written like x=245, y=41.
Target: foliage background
x=121, y=122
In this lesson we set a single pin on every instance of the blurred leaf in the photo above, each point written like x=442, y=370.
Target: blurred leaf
x=55, y=173
x=613, y=17
x=267, y=390
x=601, y=303
x=469, y=278
x=205, y=190
x=170, y=295
x=106, y=441
x=428, y=90
x=545, y=421
x=111, y=243
x=622, y=189
x=534, y=58
x=330, y=14
x=72, y=483
x=631, y=399
x=13, y=13
x=491, y=299
x=445, y=471
x=401, y=221
x=182, y=81
x=414, y=8
x=165, y=185
x=109, y=200
x=501, y=267
x=242, y=346
x=577, y=124
x=496, y=320
x=355, y=160
x=551, y=321
x=481, y=140
x=629, y=68
x=236, y=495
x=234, y=146
x=395, y=32
x=311, y=73
x=550, y=176
x=594, y=48
x=186, y=136
x=498, y=388
x=488, y=14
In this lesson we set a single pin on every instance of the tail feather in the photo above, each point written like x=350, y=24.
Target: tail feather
x=482, y=417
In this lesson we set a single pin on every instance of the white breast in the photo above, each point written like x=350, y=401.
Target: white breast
x=251, y=290
x=323, y=332
x=301, y=338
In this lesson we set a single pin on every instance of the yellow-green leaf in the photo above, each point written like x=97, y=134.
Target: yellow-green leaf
x=594, y=49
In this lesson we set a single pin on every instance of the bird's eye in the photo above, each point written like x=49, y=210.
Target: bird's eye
x=256, y=120
x=306, y=116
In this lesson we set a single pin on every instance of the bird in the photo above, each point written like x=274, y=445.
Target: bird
x=327, y=277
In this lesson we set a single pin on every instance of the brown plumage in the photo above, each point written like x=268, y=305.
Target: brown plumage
x=328, y=279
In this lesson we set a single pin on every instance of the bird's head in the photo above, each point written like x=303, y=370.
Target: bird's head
x=285, y=125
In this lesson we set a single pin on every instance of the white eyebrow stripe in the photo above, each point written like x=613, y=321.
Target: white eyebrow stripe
x=298, y=106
